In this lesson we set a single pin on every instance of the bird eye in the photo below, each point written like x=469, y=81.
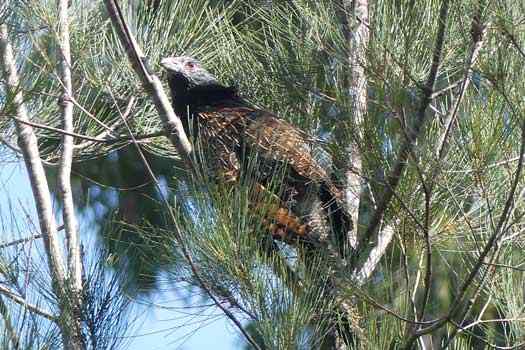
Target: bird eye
x=189, y=65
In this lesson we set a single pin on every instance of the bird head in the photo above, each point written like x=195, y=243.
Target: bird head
x=188, y=69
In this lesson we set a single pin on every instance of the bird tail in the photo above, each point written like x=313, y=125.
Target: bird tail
x=339, y=217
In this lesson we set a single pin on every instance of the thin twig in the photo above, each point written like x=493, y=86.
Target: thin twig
x=521, y=269
x=20, y=241
x=513, y=41
x=26, y=239
x=445, y=89
x=21, y=301
x=10, y=145
x=59, y=131
x=478, y=31
x=380, y=306
x=112, y=128
x=86, y=112
x=490, y=166
x=89, y=139
x=428, y=245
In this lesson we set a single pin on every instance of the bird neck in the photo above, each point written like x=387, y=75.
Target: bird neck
x=190, y=100
x=212, y=95
x=186, y=98
x=179, y=95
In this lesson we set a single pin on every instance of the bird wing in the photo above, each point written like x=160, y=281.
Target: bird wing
x=278, y=140
x=273, y=140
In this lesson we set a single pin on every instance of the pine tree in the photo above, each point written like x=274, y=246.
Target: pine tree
x=417, y=105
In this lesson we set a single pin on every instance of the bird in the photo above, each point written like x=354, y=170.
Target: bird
x=240, y=137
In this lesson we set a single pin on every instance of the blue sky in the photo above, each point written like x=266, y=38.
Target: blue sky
x=172, y=326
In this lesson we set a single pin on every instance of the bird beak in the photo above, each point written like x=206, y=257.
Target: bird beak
x=168, y=64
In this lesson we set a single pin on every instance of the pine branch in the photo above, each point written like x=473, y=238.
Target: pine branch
x=357, y=45
x=64, y=169
x=29, y=145
x=489, y=246
x=478, y=31
x=21, y=301
x=406, y=148
x=150, y=82
x=179, y=237
x=26, y=239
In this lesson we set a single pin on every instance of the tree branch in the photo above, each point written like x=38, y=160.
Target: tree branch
x=357, y=44
x=28, y=145
x=26, y=239
x=150, y=82
x=478, y=31
x=375, y=255
x=64, y=169
x=89, y=139
x=412, y=134
x=74, y=261
x=21, y=301
x=60, y=131
x=182, y=244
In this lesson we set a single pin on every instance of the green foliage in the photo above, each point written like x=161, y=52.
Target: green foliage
x=290, y=57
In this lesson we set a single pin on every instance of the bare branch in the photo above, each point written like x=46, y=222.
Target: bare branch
x=64, y=170
x=25, y=240
x=21, y=301
x=60, y=131
x=444, y=90
x=89, y=139
x=150, y=82
x=74, y=262
x=375, y=255
x=478, y=31
x=357, y=44
x=28, y=145
x=20, y=241
x=412, y=134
